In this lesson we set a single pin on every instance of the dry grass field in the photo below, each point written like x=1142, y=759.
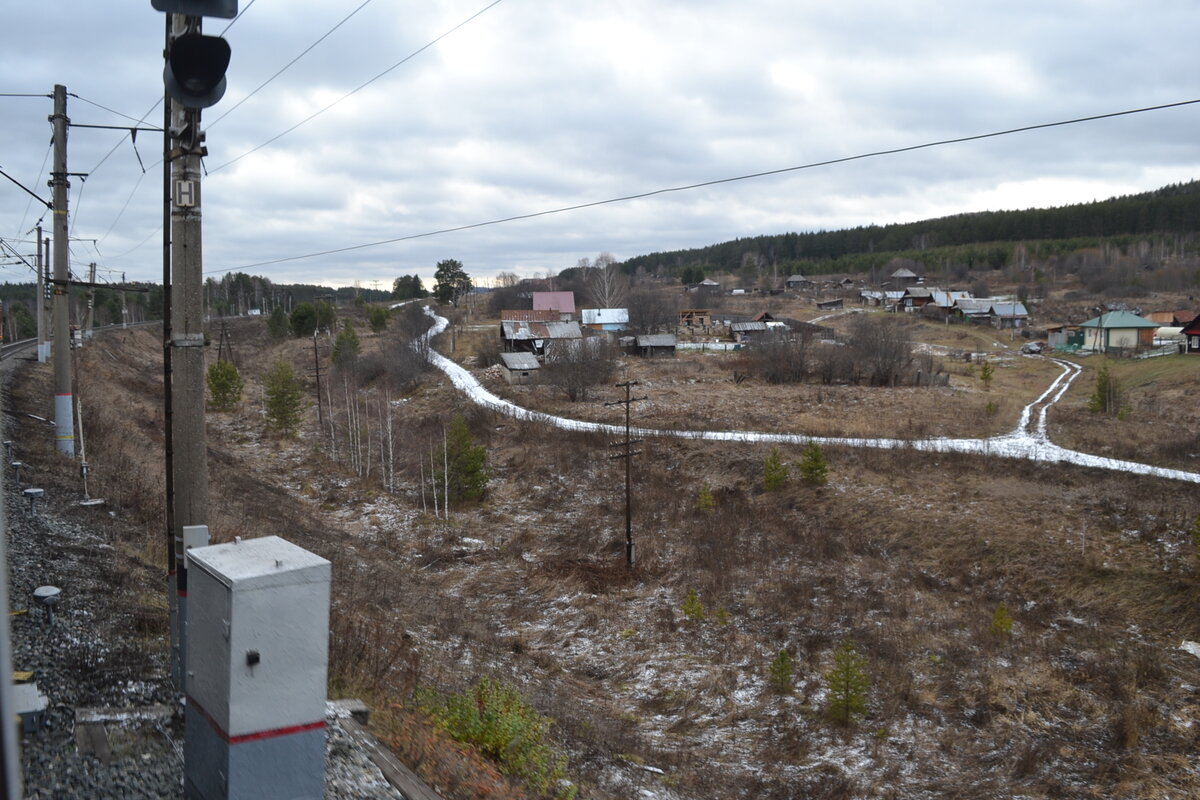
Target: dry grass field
x=906, y=555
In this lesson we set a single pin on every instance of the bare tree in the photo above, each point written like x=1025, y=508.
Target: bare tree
x=652, y=310
x=607, y=284
x=782, y=357
x=576, y=365
x=882, y=347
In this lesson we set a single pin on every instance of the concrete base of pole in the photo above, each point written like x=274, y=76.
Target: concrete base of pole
x=64, y=423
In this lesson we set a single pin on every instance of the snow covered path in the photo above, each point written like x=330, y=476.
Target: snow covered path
x=1020, y=443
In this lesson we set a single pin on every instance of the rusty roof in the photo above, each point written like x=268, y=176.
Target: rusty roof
x=530, y=315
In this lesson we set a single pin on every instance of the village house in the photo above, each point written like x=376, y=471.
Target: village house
x=797, y=282
x=1008, y=315
x=976, y=309
x=521, y=334
x=904, y=277
x=916, y=298
x=605, y=319
x=1117, y=330
x=1191, y=334
x=562, y=302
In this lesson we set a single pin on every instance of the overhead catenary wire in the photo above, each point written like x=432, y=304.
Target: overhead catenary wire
x=235, y=19
x=288, y=65
x=256, y=90
x=718, y=181
x=359, y=88
x=41, y=171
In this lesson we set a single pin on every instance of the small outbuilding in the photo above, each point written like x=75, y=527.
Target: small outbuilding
x=653, y=345
x=520, y=369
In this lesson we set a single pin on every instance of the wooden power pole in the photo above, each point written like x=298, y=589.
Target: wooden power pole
x=627, y=453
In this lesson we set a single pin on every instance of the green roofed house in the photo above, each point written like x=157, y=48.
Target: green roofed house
x=1118, y=330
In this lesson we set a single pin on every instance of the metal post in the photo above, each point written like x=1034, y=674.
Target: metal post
x=187, y=333
x=64, y=417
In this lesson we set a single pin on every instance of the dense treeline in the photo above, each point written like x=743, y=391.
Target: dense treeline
x=977, y=239
x=234, y=294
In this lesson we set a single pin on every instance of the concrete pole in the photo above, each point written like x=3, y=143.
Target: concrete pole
x=47, y=297
x=64, y=414
x=189, y=441
x=91, y=307
x=39, y=302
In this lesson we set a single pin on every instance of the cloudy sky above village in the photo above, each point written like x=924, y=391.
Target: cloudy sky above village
x=374, y=147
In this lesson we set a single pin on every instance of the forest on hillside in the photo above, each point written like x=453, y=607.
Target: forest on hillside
x=1166, y=218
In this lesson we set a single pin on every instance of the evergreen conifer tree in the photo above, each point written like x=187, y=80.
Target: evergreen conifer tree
x=284, y=399
x=848, y=685
x=813, y=467
x=466, y=461
x=224, y=385
x=781, y=672
x=775, y=472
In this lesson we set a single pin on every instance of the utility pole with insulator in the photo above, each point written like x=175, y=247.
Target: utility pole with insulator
x=64, y=414
x=627, y=454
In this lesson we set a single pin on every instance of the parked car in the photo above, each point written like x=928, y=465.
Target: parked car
x=1034, y=347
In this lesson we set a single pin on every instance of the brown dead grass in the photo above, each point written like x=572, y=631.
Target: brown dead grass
x=905, y=553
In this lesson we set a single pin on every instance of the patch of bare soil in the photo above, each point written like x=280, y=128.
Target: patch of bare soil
x=906, y=555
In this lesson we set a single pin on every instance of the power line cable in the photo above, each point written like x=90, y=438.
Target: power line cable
x=235, y=19
x=288, y=65
x=354, y=91
x=41, y=171
x=132, y=132
x=719, y=181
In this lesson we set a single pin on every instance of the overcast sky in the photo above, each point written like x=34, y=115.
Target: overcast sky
x=535, y=106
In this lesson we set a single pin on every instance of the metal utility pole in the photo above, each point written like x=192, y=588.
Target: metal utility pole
x=189, y=445
x=628, y=455
x=64, y=416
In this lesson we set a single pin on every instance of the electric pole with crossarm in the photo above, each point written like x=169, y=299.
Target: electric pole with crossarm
x=627, y=453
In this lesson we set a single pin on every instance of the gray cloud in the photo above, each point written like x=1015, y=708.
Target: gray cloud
x=538, y=106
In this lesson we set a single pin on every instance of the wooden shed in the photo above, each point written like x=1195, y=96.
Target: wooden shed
x=655, y=344
x=520, y=369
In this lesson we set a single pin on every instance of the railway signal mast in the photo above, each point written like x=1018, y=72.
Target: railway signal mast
x=193, y=79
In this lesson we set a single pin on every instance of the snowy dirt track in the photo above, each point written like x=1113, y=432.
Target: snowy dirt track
x=1027, y=441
